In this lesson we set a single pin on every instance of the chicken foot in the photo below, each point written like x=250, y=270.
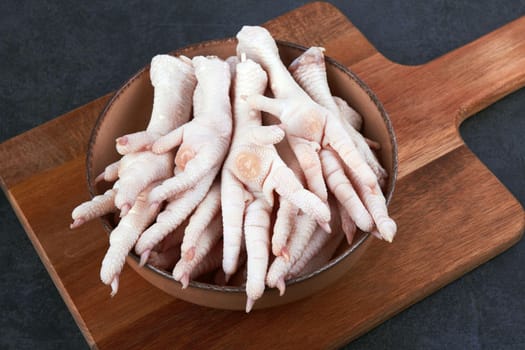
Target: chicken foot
x=252, y=171
x=310, y=72
x=204, y=141
x=309, y=126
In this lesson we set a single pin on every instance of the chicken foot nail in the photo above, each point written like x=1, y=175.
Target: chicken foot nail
x=123, y=238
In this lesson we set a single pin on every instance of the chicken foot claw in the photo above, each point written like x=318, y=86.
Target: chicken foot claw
x=139, y=141
x=171, y=217
x=123, y=238
x=109, y=174
x=286, y=184
x=205, y=212
x=184, y=268
x=98, y=206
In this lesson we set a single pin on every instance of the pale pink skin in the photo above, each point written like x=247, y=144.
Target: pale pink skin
x=203, y=144
x=211, y=262
x=110, y=173
x=284, y=225
x=309, y=71
x=299, y=238
x=309, y=126
x=173, y=215
x=123, y=238
x=350, y=118
x=347, y=224
x=292, y=245
x=292, y=229
x=165, y=254
x=251, y=173
x=174, y=81
x=98, y=206
x=347, y=113
x=320, y=251
x=323, y=256
x=199, y=221
x=170, y=249
x=302, y=247
x=344, y=191
x=172, y=78
x=188, y=263
x=138, y=172
x=204, y=141
x=316, y=243
x=287, y=213
x=232, y=63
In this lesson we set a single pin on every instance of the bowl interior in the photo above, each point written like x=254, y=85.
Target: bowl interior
x=129, y=110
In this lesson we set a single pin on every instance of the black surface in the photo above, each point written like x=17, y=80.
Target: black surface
x=58, y=55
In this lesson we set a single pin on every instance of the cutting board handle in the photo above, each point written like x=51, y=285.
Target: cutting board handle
x=457, y=84
x=428, y=102
x=480, y=73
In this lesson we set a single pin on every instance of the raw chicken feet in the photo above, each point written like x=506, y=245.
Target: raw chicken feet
x=310, y=72
x=252, y=171
x=309, y=126
x=204, y=141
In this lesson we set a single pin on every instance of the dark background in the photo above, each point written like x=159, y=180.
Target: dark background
x=58, y=55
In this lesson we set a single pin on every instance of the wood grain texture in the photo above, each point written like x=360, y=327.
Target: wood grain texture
x=453, y=214
x=428, y=102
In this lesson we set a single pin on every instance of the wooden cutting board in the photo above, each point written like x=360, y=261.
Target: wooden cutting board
x=453, y=214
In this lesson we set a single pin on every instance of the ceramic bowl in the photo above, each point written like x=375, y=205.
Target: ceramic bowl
x=129, y=110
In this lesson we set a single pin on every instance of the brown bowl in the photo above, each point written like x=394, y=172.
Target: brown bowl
x=129, y=110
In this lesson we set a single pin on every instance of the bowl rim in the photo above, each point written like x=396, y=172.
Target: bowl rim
x=241, y=289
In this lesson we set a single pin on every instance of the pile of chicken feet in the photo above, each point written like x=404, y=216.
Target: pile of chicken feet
x=259, y=182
